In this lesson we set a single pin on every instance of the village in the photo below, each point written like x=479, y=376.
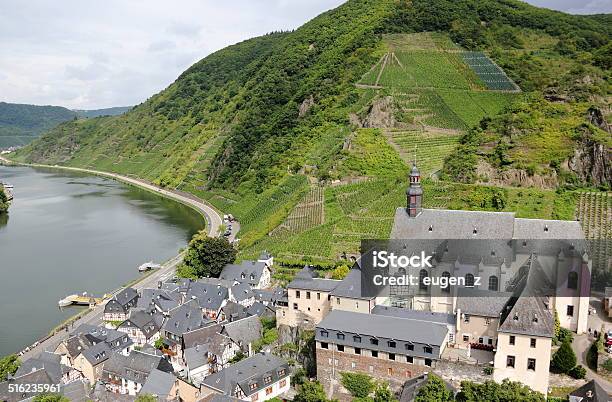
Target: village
x=240, y=337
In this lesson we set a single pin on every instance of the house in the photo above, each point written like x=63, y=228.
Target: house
x=308, y=299
x=478, y=312
x=232, y=311
x=166, y=387
x=158, y=300
x=88, y=347
x=218, y=348
x=386, y=347
x=182, y=319
x=127, y=374
x=261, y=310
x=244, y=333
x=199, y=363
x=51, y=364
x=347, y=294
x=411, y=387
x=28, y=381
x=589, y=392
x=524, y=343
x=210, y=297
x=142, y=328
x=256, y=274
x=242, y=294
x=118, y=308
x=269, y=296
x=257, y=378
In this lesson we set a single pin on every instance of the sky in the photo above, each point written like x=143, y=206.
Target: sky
x=88, y=55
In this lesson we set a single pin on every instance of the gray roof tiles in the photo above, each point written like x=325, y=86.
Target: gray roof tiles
x=184, y=319
x=427, y=316
x=483, y=303
x=244, y=331
x=246, y=271
x=528, y=316
x=159, y=383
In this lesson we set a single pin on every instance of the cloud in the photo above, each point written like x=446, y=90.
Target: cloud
x=102, y=54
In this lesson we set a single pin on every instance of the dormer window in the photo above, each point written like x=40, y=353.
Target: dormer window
x=475, y=231
x=430, y=228
x=324, y=334
x=340, y=336
x=546, y=228
x=357, y=339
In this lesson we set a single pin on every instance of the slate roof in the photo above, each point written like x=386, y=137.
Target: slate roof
x=451, y=224
x=225, y=398
x=234, y=311
x=147, y=323
x=33, y=377
x=427, y=316
x=246, y=271
x=307, y=279
x=350, y=286
x=98, y=353
x=210, y=336
x=597, y=393
x=380, y=326
x=209, y=296
x=136, y=367
x=528, y=316
x=480, y=302
x=259, y=309
x=269, y=295
x=121, y=300
x=77, y=391
x=160, y=298
x=159, y=383
x=244, y=331
x=196, y=356
x=246, y=372
x=49, y=362
x=185, y=318
x=242, y=291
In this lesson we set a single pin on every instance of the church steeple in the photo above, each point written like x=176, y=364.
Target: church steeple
x=414, y=194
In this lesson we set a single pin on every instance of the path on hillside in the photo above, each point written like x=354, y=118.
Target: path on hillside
x=94, y=316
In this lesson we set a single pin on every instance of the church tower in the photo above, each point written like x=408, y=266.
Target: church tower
x=414, y=194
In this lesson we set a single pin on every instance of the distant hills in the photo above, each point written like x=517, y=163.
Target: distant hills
x=20, y=123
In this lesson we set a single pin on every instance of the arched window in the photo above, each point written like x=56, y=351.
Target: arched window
x=446, y=275
x=493, y=283
x=422, y=276
x=572, y=280
x=469, y=280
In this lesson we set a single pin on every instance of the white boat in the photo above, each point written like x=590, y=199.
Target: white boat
x=148, y=266
x=67, y=301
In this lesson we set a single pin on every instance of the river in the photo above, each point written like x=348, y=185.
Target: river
x=69, y=233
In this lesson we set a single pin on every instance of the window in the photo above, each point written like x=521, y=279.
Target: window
x=409, y=346
x=357, y=351
x=446, y=275
x=533, y=342
x=493, y=283
x=466, y=318
x=340, y=348
x=324, y=345
x=570, y=311
x=512, y=340
x=390, y=371
x=422, y=276
x=391, y=344
x=281, y=372
x=297, y=294
x=283, y=383
x=572, y=280
x=391, y=356
x=353, y=365
x=466, y=338
x=428, y=349
x=308, y=295
x=481, y=340
x=510, y=361
x=324, y=333
x=318, y=296
x=337, y=300
x=255, y=397
x=371, y=369
x=357, y=305
x=295, y=306
x=356, y=339
x=253, y=386
x=531, y=364
x=340, y=336
x=469, y=280
x=490, y=341
x=409, y=359
x=428, y=362
x=374, y=353
x=487, y=321
x=268, y=379
x=374, y=341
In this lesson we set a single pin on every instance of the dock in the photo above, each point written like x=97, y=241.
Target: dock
x=147, y=266
x=80, y=300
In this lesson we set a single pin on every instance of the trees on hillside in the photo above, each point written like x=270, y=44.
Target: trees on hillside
x=8, y=365
x=507, y=391
x=311, y=392
x=434, y=390
x=206, y=256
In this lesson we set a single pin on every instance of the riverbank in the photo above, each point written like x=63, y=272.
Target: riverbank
x=94, y=316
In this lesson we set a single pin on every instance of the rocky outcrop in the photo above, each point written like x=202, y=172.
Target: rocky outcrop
x=487, y=174
x=306, y=105
x=592, y=163
x=596, y=118
x=303, y=338
x=381, y=114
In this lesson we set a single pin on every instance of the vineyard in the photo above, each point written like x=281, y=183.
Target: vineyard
x=489, y=72
x=432, y=147
x=594, y=210
x=307, y=214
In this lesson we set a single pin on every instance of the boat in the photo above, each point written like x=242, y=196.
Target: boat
x=148, y=266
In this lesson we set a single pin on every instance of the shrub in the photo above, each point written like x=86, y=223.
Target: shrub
x=564, y=359
x=358, y=384
x=608, y=365
x=488, y=370
x=578, y=372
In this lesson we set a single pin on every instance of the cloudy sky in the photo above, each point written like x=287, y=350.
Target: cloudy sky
x=85, y=55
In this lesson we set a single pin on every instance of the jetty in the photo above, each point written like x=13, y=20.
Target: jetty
x=83, y=299
x=147, y=266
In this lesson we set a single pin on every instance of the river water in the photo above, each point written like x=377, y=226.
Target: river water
x=69, y=233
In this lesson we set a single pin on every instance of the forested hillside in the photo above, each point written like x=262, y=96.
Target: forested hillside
x=305, y=135
x=20, y=124
x=3, y=200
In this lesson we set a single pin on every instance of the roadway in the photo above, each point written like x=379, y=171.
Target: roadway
x=94, y=317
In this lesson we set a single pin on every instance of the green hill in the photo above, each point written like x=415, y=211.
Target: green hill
x=305, y=135
x=20, y=124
